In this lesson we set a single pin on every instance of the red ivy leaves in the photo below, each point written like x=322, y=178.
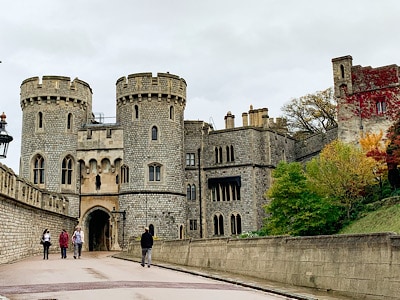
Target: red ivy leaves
x=372, y=85
x=364, y=103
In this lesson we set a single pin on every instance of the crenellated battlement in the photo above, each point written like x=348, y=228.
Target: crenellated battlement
x=55, y=88
x=21, y=190
x=141, y=86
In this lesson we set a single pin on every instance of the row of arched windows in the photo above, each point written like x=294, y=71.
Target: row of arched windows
x=67, y=168
x=236, y=224
x=39, y=170
x=229, y=154
x=136, y=112
x=225, y=191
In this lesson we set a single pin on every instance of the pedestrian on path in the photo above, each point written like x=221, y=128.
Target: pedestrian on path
x=78, y=238
x=146, y=242
x=63, y=241
x=46, y=243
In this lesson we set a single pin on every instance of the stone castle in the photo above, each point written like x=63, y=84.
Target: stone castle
x=181, y=178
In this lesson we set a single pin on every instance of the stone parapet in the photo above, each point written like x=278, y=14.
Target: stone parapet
x=140, y=86
x=55, y=89
x=17, y=188
x=360, y=266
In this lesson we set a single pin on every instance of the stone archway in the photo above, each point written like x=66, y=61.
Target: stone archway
x=98, y=236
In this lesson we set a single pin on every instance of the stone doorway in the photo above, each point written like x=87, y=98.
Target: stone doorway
x=98, y=224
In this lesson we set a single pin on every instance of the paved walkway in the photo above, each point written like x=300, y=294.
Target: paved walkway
x=291, y=292
x=100, y=275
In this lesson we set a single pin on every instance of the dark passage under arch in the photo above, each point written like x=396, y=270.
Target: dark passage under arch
x=99, y=231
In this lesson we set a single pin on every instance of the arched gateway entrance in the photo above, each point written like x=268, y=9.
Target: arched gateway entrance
x=98, y=235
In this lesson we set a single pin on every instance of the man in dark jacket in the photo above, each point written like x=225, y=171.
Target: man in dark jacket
x=147, y=243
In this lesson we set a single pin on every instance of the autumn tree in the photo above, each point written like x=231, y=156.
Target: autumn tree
x=312, y=113
x=294, y=209
x=374, y=146
x=393, y=154
x=342, y=172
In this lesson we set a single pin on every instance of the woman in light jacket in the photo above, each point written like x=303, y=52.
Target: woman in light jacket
x=78, y=238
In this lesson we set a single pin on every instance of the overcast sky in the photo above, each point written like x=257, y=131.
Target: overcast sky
x=231, y=53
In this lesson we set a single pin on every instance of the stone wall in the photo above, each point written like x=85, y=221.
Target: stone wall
x=358, y=266
x=25, y=211
x=308, y=148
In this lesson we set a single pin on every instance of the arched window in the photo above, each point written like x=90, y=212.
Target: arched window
x=221, y=225
x=232, y=154
x=38, y=170
x=188, y=192
x=136, y=112
x=154, y=172
x=40, y=120
x=154, y=133
x=105, y=165
x=218, y=224
x=228, y=156
x=93, y=166
x=236, y=224
x=193, y=192
x=69, y=121
x=124, y=174
x=342, y=71
x=218, y=155
x=66, y=170
x=171, y=112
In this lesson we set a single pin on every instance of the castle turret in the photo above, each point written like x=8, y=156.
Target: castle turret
x=151, y=110
x=342, y=75
x=53, y=111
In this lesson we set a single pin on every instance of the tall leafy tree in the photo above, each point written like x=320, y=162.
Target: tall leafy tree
x=294, y=209
x=311, y=113
x=374, y=147
x=341, y=171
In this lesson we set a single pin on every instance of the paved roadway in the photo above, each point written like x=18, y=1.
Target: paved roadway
x=99, y=275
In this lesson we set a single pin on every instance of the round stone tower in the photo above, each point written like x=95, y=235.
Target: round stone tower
x=151, y=111
x=53, y=111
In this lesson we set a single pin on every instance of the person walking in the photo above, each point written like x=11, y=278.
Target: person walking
x=63, y=241
x=146, y=242
x=46, y=243
x=78, y=238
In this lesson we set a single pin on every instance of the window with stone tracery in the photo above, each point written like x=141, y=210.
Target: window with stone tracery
x=218, y=221
x=124, y=174
x=154, y=172
x=67, y=170
x=236, y=224
x=38, y=169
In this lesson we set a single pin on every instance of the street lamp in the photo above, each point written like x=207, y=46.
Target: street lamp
x=5, y=138
x=123, y=213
